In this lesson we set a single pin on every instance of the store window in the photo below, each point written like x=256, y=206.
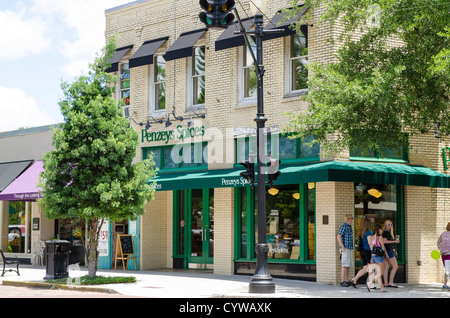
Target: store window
x=379, y=203
x=279, y=146
x=298, y=61
x=197, y=78
x=158, y=84
x=397, y=154
x=178, y=156
x=290, y=223
x=248, y=81
x=19, y=228
x=124, y=87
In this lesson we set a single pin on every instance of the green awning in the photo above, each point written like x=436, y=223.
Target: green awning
x=338, y=171
x=219, y=178
x=364, y=172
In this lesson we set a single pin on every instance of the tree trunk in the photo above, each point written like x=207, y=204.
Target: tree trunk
x=91, y=250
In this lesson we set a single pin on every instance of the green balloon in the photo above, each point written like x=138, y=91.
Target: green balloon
x=435, y=254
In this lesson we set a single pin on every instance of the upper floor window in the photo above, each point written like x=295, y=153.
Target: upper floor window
x=124, y=86
x=247, y=80
x=158, y=84
x=197, y=77
x=297, y=78
x=279, y=146
x=399, y=154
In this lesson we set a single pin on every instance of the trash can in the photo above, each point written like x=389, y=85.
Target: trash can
x=57, y=259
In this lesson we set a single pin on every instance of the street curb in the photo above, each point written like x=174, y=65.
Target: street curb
x=59, y=286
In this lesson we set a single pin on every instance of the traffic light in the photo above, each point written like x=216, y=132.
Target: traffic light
x=272, y=171
x=249, y=174
x=217, y=13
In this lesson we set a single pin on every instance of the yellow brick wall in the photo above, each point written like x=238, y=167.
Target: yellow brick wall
x=224, y=231
x=335, y=200
x=156, y=232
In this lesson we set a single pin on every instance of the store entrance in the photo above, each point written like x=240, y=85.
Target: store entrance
x=194, y=228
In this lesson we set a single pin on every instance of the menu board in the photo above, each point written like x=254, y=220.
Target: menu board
x=126, y=243
x=124, y=248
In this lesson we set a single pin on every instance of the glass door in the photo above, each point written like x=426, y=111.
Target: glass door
x=200, y=213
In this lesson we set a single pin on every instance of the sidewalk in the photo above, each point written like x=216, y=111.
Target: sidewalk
x=204, y=284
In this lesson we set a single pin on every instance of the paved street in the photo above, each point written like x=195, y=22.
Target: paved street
x=39, y=292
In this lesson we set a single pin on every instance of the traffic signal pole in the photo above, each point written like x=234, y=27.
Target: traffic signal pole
x=261, y=281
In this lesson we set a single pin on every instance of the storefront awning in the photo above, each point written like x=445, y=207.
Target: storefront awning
x=182, y=47
x=200, y=179
x=276, y=23
x=118, y=55
x=364, y=172
x=24, y=188
x=9, y=171
x=229, y=39
x=144, y=55
x=338, y=171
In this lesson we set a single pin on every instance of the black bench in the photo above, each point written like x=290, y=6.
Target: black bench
x=9, y=262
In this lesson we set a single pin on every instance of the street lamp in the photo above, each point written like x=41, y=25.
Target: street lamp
x=261, y=281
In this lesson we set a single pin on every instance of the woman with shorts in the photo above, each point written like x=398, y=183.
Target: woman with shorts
x=366, y=255
x=443, y=244
x=378, y=261
x=388, y=236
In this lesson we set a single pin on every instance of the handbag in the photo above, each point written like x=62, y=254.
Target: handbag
x=378, y=251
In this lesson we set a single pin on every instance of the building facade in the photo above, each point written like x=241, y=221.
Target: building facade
x=191, y=94
x=23, y=223
x=203, y=216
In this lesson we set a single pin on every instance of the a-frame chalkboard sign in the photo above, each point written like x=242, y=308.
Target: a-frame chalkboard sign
x=124, y=248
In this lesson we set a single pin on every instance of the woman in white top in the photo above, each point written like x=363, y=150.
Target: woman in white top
x=443, y=244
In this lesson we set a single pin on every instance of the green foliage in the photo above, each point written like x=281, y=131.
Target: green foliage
x=91, y=172
x=96, y=280
x=391, y=79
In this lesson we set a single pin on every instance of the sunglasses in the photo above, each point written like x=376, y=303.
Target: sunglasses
x=389, y=224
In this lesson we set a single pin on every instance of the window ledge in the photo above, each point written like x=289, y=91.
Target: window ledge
x=199, y=109
x=158, y=114
x=295, y=95
x=246, y=103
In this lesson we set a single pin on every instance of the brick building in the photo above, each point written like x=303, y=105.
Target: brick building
x=187, y=90
x=170, y=67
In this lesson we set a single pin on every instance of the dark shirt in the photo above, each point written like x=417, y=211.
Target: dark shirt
x=387, y=235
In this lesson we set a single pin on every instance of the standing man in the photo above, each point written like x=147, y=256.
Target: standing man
x=345, y=240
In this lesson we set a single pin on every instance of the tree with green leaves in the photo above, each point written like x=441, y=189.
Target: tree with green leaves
x=390, y=79
x=90, y=174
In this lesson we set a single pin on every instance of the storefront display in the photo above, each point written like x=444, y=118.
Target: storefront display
x=379, y=203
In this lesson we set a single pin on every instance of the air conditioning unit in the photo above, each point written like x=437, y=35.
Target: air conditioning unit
x=126, y=111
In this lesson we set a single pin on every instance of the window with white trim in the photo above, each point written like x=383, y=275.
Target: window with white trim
x=196, y=78
x=247, y=75
x=124, y=87
x=158, y=84
x=297, y=75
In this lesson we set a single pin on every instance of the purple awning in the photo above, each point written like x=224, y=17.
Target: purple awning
x=24, y=188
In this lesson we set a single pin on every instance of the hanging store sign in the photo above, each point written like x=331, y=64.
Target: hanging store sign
x=179, y=133
x=445, y=156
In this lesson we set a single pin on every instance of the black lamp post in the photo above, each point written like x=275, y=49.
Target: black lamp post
x=261, y=281
x=217, y=15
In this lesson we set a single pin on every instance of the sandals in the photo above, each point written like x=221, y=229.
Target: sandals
x=352, y=283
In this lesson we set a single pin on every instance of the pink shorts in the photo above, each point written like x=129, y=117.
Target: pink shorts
x=445, y=257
